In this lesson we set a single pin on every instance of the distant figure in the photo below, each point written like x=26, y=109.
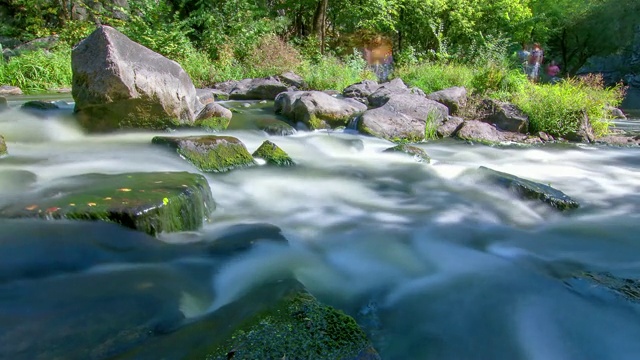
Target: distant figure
x=378, y=54
x=523, y=56
x=552, y=72
x=535, y=59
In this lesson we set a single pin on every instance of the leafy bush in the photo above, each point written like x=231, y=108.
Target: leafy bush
x=497, y=81
x=272, y=56
x=331, y=73
x=432, y=77
x=558, y=109
x=38, y=70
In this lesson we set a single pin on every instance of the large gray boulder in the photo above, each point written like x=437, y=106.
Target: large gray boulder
x=454, y=98
x=394, y=87
x=295, y=81
x=257, y=89
x=403, y=117
x=118, y=83
x=361, y=91
x=505, y=116
x=318, y=110
x=482, y=132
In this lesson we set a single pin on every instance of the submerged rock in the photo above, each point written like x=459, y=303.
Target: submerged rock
x=10, y=90
x=210, y=153
x=418, y=154
x=118, y=83
x=273, y=155
x=298, y=327
x=3, y=146
x=318, y=110
x=148, y=202
x=39, y=105
x=628, y=289
x=403, y=117
x=273, y=126
x=528, y=189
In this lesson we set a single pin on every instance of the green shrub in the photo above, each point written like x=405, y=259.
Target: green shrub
x=558, y=109
x=272, y=56
x=432, y=77
x=497, y=81
x=331, y=73
x=38, y=71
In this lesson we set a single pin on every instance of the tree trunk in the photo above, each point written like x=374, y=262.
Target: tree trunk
x=320, y=22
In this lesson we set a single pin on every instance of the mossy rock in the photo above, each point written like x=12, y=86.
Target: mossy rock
x=210, y=153
x=273, y=155
x=209, y=124
x=528, y=189
x=297, y=327
x=149, y=202
x=3, y=146
x=418, y=154
x=39, y=105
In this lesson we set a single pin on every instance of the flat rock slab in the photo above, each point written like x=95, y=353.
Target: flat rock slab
x=149, y=202
x=210, y=153
x=528, y=189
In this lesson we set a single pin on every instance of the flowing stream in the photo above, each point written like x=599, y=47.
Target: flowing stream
x=431, y=262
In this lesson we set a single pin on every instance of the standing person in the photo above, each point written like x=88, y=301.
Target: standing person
x=523, y=56
x=535, y=59
x=552, y=71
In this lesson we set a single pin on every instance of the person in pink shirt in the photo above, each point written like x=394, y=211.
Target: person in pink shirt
x=552, y=72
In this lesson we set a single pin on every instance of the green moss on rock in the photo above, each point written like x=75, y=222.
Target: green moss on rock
x=273, y=155
x=417, y=153
x=210, y=153
x=298, y=327
x=213, y=123
x=3, y=146
x=149, y=202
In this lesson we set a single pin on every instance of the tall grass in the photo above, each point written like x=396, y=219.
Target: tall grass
x=330, y=73
x=558, y=109
x=432, y=77
x=38, y=71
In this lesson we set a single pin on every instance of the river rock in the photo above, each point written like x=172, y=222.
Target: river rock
x=482, y=132
x=209, y=153
x=215, y=110
x=318, y=110
x=394, y=87
x=118, y=83
x=418, y=154
x=297, y=326
x=584, y=133
x=403, y=117
x=3, y=146
x=454, y=98
x=148, y=202
x=505, y=116
x=205, y=96
x=615, y=113
x=4, y=105
x=257, y=89
x=449, y=126
x=39, y=105
x=273, y=155
x=528, y=189
x=273, y=126
x=293, y=80
x=361, y=91
x=10, y=90
x=619, y=140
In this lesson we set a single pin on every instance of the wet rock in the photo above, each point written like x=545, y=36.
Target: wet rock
x=39, y=105
x=3, y=146
x=273, y=126
x=619, y=140
x=318, y=110
x=482, y=132
x=403, y=117
x=584, y=133
x=418, y=154
x=148, y=202
x=273, y=155
x=297, y=327
x=454, y=98
x=393, y=87
x=293, y=80
x=4, y=105
x=257, y=89
x=214, y=110
x=505, y=116
x=528, y=189
x=361, y=91
x=450, y=126
x=628, y=289
x=242, y=237
x=210, y=153
x=10, y=90
x=118, y=83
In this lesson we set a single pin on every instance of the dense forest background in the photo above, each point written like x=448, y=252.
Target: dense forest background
x=467, y=31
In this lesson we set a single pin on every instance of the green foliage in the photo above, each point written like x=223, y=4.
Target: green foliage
x=38, y=70
x=432, y=77
x=558, y=109
x=431, y=125
x=331, y=73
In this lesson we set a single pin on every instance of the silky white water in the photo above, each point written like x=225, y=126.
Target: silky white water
x=432, y=263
